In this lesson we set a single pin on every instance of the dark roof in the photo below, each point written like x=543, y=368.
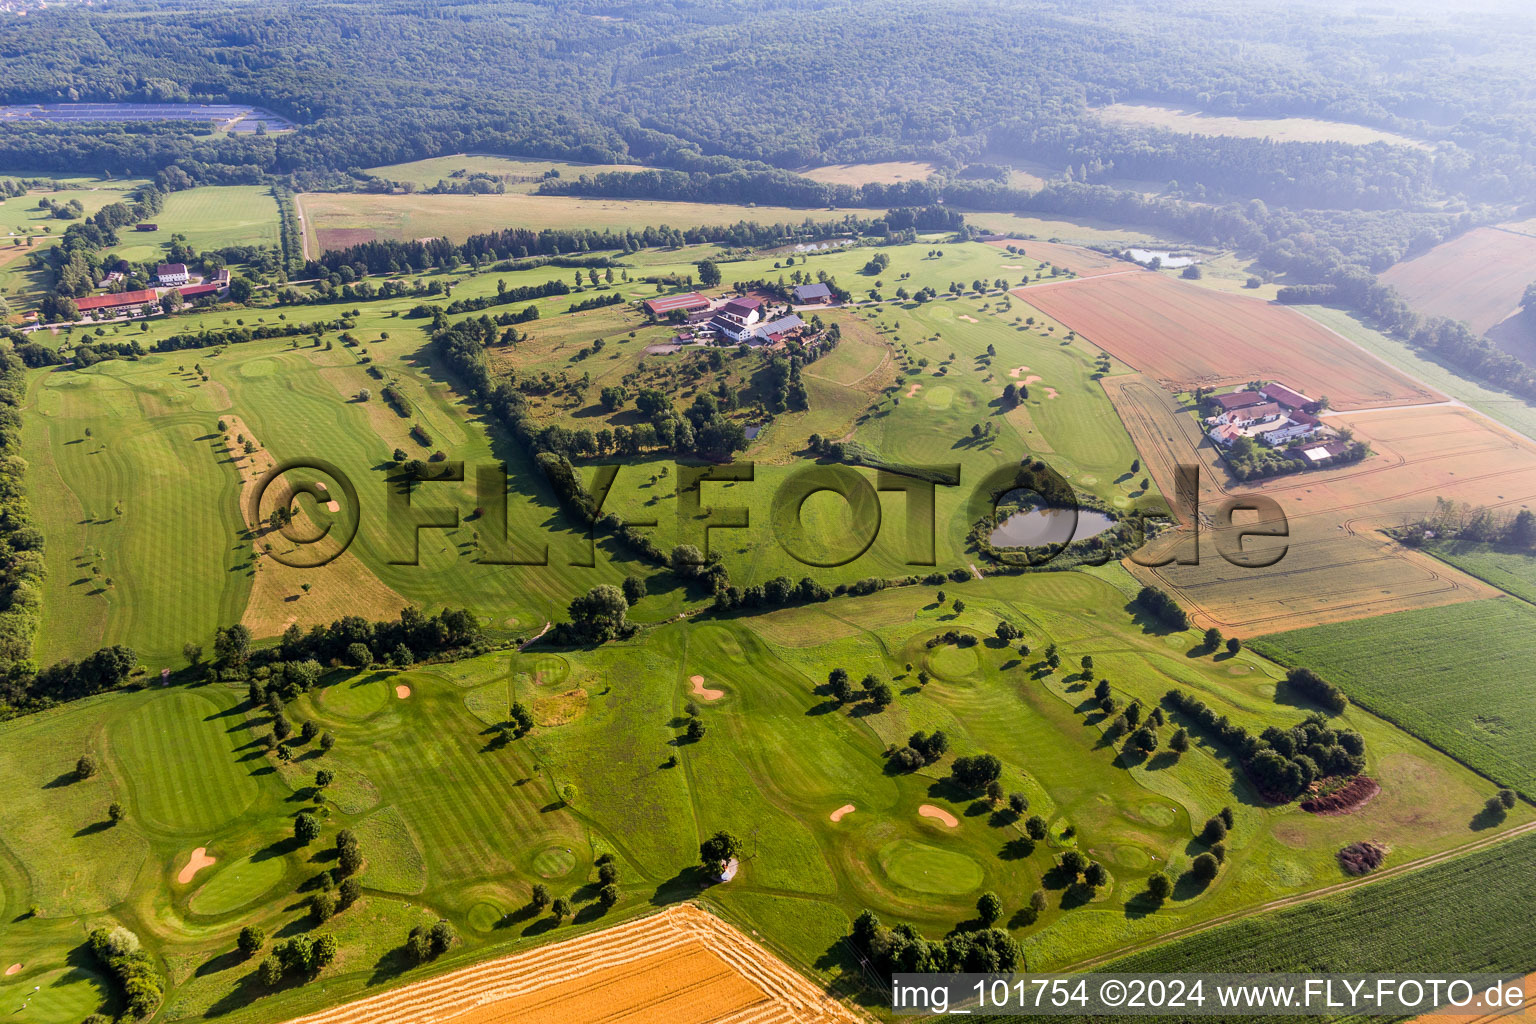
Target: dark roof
x=120, y=299
x=739, y=307
x=1239, y=400
x=166, y=269
x=782, y=325
x=1285, y=396
x=812, y=291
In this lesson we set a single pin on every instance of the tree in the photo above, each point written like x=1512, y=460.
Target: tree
x=959, y=606
x=1036, y=828
x=1227, y=817
x=1179, y=742
x=348, y=893
x=600, y=614
x=441, y=936
x=327, y=741
x=634, y=589
x=561, y=908
x=306, y=828
x=1215, y=830
x=232, y=645
x=880, y=694
x=1073, y=862
x=1095, y=875
x=709, y=273
x=193, y=652
x=539, y=897
x=1507, y=799
x=359, y=655
x=695, y=730
x=308, y=731
x=251, y=940
x=973, y=773
x=322, y=906
x=324, y=951
x=608, y=895
x=1018, y=803
x=116, y=812
x=271, y=971
x=1234, y=645
x=607, y=872
x=1038, y=901
x=1159, y=886
x=1204, y=867
x=989, y=908
x=85, y=767
x=716, y=851
x=1212, y=638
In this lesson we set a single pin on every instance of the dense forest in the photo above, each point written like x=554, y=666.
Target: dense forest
x=732, y=86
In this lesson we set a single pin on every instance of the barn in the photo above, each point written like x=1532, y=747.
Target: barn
x=667, y=305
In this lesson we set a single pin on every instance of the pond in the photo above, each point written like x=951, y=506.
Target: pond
x=1169, y=260
x=1041, y=526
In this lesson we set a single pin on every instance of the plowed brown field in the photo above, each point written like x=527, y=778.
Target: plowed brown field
x=1184, y=336
x=681, y=966
x=1338, y=564
x=1477, y=277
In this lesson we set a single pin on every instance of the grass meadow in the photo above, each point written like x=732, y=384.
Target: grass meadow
x=457, y=825
x=211, y=217
x=1453, y=675
x=520, y=175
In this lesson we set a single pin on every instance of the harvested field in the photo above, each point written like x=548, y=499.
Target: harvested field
x=1354, y=794
x=1185, y=336
x=681, y=966
x=1337, y=565
x=1082, y=262
x=699, y=689
x=1280, y=129
x=886, y=173
x=940, y=815
x=195, y=863
x=340, y=238
x=1477, y=277
x=1362, y=858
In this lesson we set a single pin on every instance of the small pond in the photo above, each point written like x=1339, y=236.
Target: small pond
x=1169, y=260
x=1041, y=526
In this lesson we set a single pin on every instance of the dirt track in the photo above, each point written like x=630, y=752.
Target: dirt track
x=681, y=966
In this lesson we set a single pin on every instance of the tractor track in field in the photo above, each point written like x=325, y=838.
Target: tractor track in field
x=1237, y=915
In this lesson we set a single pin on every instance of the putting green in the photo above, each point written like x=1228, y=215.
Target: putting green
x=940, y=396
x=950, y=662
x=546, y=669
x=65, y=996
x=357, y=699
x=554, y=862
x=485, y=916
x=243, y=882
x=929, y=869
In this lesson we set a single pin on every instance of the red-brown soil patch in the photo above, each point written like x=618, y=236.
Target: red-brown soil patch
x=1478, y=277
x=340, y=238
x=1351, y=796
x=1187, y=336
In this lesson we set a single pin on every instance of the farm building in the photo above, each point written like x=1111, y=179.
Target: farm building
x=118, y=301
x=806, y=294
x=1273, y=415
x=1286, y=398
x=667, y=305
x=1239, y=400
x=736, y=318
x=775, y=331
x=146, y=227
x=172, y=274
x=194, y=291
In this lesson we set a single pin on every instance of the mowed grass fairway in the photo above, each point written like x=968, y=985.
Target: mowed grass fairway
x=1457, y=676
x=464, y=825
x=211, y=217
x=521, y=175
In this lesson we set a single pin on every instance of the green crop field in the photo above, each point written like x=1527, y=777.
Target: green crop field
x=462, y=825
x=1513, y=572
x=1461, y=916
x=1453, y=675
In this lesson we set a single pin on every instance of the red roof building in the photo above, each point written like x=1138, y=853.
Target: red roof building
x=139, y=298
x=192, y=291
x=668, y=304
x=1287, y=398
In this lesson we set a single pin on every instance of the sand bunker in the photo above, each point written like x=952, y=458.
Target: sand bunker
x=969, y=319
x=334, y=506
x=1031, y=379
x=402, y=691
x=319, y=486
x=1018, y=370
x=13, y=969
x=939, y=814
x=196, y=863
x=1050, y=392
x=914, y=389
x=839, y=814
x=1013, y=266
x=701, y=690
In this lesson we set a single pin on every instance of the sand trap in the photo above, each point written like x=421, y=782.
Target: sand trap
x=939, y=814
x=1031, y=379
x=703, y=691
x=333, y=506
x=196, y=863
x=846, y=809
x=914, y=389
x=1050, y=392
x=1018, y=370
x=13, y=969
x=969, y=319
x=1013, y=266
x=319, y=486
x=402, y=691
